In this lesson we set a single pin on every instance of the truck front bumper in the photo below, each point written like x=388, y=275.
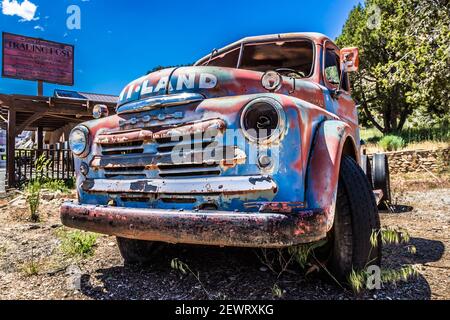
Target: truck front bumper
x=220, y=228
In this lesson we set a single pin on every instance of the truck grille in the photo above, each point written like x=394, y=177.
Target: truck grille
x=130, y=153
x=123, y=148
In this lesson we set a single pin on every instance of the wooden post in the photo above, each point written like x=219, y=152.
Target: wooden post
x=40, y=88
x=32, y=160
x=52, y=157
x=47, y=156
x=40, y=140
x=39, y=133
x=20, y=156
x=58, y=159
x=67, y=159
x=11, y=147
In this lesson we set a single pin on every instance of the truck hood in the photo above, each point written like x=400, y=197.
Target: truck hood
x=206, y=82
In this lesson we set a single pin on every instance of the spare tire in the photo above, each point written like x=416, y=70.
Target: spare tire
x=367, y=168
x=381, y=178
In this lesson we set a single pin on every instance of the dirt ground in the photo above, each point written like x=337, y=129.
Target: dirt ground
x=423, y=208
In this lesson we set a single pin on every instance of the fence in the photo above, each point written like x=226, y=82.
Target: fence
x=60, y=164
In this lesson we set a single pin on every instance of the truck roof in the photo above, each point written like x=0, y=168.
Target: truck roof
x=314, y=36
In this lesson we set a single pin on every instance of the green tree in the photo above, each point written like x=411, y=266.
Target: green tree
x=405, y=57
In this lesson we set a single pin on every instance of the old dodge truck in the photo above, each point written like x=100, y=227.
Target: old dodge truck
x=256, y=145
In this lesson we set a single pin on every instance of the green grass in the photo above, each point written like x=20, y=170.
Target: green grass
x=371, y=135
x=357, y=279
x=33, y=198
x=30, y=268
x=78, y=243
x=2, y=250
x=409, y=135
x=277, y=292
x=391, y=143
x=71, y=183
x=55, y=186
x=438, y=134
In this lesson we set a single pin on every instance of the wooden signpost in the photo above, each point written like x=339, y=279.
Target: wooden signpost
x=34, y=59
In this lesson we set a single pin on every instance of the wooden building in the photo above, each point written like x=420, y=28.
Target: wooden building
x=52, y=118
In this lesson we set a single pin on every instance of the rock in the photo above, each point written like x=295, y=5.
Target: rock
x=263, y=269
x=47, y=196
x=19, y=203
x=73, y=269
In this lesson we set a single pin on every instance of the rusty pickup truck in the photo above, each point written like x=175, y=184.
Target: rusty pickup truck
x=255, y=145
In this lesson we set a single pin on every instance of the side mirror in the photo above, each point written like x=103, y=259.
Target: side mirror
x=100, y=111
x=350, y=59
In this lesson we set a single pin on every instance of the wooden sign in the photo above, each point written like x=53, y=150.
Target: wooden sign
x=36, y=59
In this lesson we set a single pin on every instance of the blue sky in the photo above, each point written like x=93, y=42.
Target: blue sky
x=121, y=40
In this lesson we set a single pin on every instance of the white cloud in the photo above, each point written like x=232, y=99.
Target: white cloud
x=26, y=10
x=38, y=27
x=34, y=19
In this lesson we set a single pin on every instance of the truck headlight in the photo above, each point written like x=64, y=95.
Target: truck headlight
x=263, y=120
x=79, y=141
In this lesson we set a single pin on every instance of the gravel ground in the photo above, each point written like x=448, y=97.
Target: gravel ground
x=223, y=273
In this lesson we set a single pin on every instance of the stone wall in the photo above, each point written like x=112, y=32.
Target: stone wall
x=436, y=161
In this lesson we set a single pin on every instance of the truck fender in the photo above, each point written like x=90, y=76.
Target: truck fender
x=322, y=174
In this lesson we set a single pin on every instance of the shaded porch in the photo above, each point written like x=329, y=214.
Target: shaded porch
x=50, y=119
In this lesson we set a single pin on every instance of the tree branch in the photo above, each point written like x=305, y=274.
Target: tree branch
x=366, y=108
x=403, y=116
x=372, y=118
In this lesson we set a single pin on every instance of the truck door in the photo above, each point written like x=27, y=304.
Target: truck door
x=339, y=103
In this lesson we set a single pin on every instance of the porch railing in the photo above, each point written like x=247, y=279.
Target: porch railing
x=58, y=164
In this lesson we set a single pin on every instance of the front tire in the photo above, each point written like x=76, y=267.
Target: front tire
x=356, y=217
x=138, y=251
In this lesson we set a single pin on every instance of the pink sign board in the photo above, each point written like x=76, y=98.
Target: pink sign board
x=36, y=59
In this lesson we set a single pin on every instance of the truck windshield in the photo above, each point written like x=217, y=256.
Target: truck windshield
x=296, y=55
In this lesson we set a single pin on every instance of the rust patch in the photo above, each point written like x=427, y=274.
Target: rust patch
x=276, y=207
x=147, y=135
x=143, y=186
